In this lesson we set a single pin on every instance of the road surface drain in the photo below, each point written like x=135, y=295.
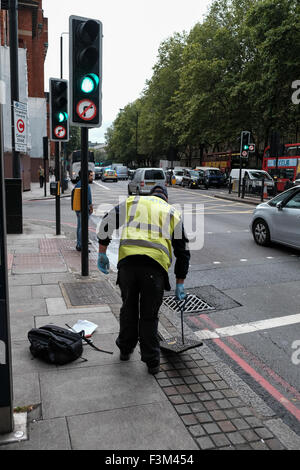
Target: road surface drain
x=193, y=304
x=79, y=294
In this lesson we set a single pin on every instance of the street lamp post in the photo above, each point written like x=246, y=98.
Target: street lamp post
x=62, y=145
x=136, y=135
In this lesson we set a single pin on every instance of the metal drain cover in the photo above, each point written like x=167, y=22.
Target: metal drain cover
x=79, y=294
x=192, y=305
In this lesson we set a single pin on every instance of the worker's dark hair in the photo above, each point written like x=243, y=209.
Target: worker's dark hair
x=160, y=191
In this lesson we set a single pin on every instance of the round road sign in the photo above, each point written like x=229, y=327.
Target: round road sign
x=244, y=153
x=20, y=126
x=86, y=110
x=60, y=132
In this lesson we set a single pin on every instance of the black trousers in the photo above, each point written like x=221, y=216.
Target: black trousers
x=142, y=289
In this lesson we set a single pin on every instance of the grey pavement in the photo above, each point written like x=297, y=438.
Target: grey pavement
x=36, y=192
x=194, y=403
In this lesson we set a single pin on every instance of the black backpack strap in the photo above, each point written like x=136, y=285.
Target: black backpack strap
x=89, y=342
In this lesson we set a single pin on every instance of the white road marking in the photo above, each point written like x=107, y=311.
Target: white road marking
x=249, y=327
x=101, y=186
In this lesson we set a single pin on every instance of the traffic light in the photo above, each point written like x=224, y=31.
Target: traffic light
x=59, y=114
x=85, y=71
x=245, y=140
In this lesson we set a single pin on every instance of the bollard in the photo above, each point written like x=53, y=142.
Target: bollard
x=243, y=187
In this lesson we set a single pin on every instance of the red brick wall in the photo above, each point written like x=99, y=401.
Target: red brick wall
x=36, y=45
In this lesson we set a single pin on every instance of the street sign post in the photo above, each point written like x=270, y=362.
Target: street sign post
x=6, y=387
x=20, y=119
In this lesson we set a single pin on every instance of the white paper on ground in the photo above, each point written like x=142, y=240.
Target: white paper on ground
x=88, y=327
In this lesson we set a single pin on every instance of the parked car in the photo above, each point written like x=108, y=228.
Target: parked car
x=193, y=178
x=109, y=175
x=253, y=179
x=278, y=220
x=121, y=170
x=213, y=176
x=145, y=179
x=98, y=172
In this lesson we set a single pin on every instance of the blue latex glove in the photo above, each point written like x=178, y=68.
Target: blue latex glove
x=103, y=263
x=179, y=292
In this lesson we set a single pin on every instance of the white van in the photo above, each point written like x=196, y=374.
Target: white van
x=145, y=179
x=253, y=179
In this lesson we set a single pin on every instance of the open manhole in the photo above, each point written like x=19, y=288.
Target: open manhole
x=193, y=304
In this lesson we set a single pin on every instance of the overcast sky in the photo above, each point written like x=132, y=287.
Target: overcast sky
x=133, y=31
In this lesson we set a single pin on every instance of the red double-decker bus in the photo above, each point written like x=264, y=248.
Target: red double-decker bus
x=285, y=168
x=223, y=160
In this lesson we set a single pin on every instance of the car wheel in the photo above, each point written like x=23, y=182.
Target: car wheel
x=191, y=186
x=261, y=232
x=129, y=192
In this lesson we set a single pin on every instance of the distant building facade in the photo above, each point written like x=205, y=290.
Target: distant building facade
x=33, y=45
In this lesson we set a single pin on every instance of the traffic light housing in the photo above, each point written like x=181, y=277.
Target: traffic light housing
x=59, y=113
x=245, y=140
x=85, y=71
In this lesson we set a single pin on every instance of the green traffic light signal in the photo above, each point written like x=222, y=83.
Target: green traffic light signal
x=89, y=83
x=246, y=147
x=62, y=116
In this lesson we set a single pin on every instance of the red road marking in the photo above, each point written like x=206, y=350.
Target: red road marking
x=252, y=372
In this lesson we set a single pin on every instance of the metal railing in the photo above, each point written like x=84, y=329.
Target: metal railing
x=256, y=188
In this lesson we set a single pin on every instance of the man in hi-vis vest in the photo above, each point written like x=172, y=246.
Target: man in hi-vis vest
x=151, y=227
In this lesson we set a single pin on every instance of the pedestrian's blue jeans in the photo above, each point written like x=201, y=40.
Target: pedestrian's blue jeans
x=78, y=213
x=78, y=244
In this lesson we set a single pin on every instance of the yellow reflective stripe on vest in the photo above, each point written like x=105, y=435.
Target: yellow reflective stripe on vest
x=147, y=244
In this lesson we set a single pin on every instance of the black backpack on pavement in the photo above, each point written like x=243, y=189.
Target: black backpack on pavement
x=57, y=345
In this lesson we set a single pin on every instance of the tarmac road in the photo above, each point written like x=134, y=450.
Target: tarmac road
x=257, y=289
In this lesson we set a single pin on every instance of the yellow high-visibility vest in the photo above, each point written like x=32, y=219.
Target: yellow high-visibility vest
x=148, y=230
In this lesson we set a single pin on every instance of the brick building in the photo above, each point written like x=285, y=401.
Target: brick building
x=33, y=38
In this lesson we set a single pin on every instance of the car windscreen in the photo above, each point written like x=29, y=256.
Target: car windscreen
x=282, y=196
x=178, y=173
x=214, y=173
x=194, y=173
x=154, y=175
x=259, y=175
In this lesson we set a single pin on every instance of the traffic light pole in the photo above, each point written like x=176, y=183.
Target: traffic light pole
x=240, y=173
x=57, y=197
x=6, y=389
x=84, y=203
x=45, y=157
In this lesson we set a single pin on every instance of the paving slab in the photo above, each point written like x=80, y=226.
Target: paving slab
x=92, y=389
x=24, y=280
x=49, y=434
x=19, y=293
x=26, y=390
x=57, y=306
x=103, y=318
x=45, y=291
x=154, y=426
x=37, y=263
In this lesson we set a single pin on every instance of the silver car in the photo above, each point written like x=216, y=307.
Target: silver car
x=278, y=220
x=145, y=179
